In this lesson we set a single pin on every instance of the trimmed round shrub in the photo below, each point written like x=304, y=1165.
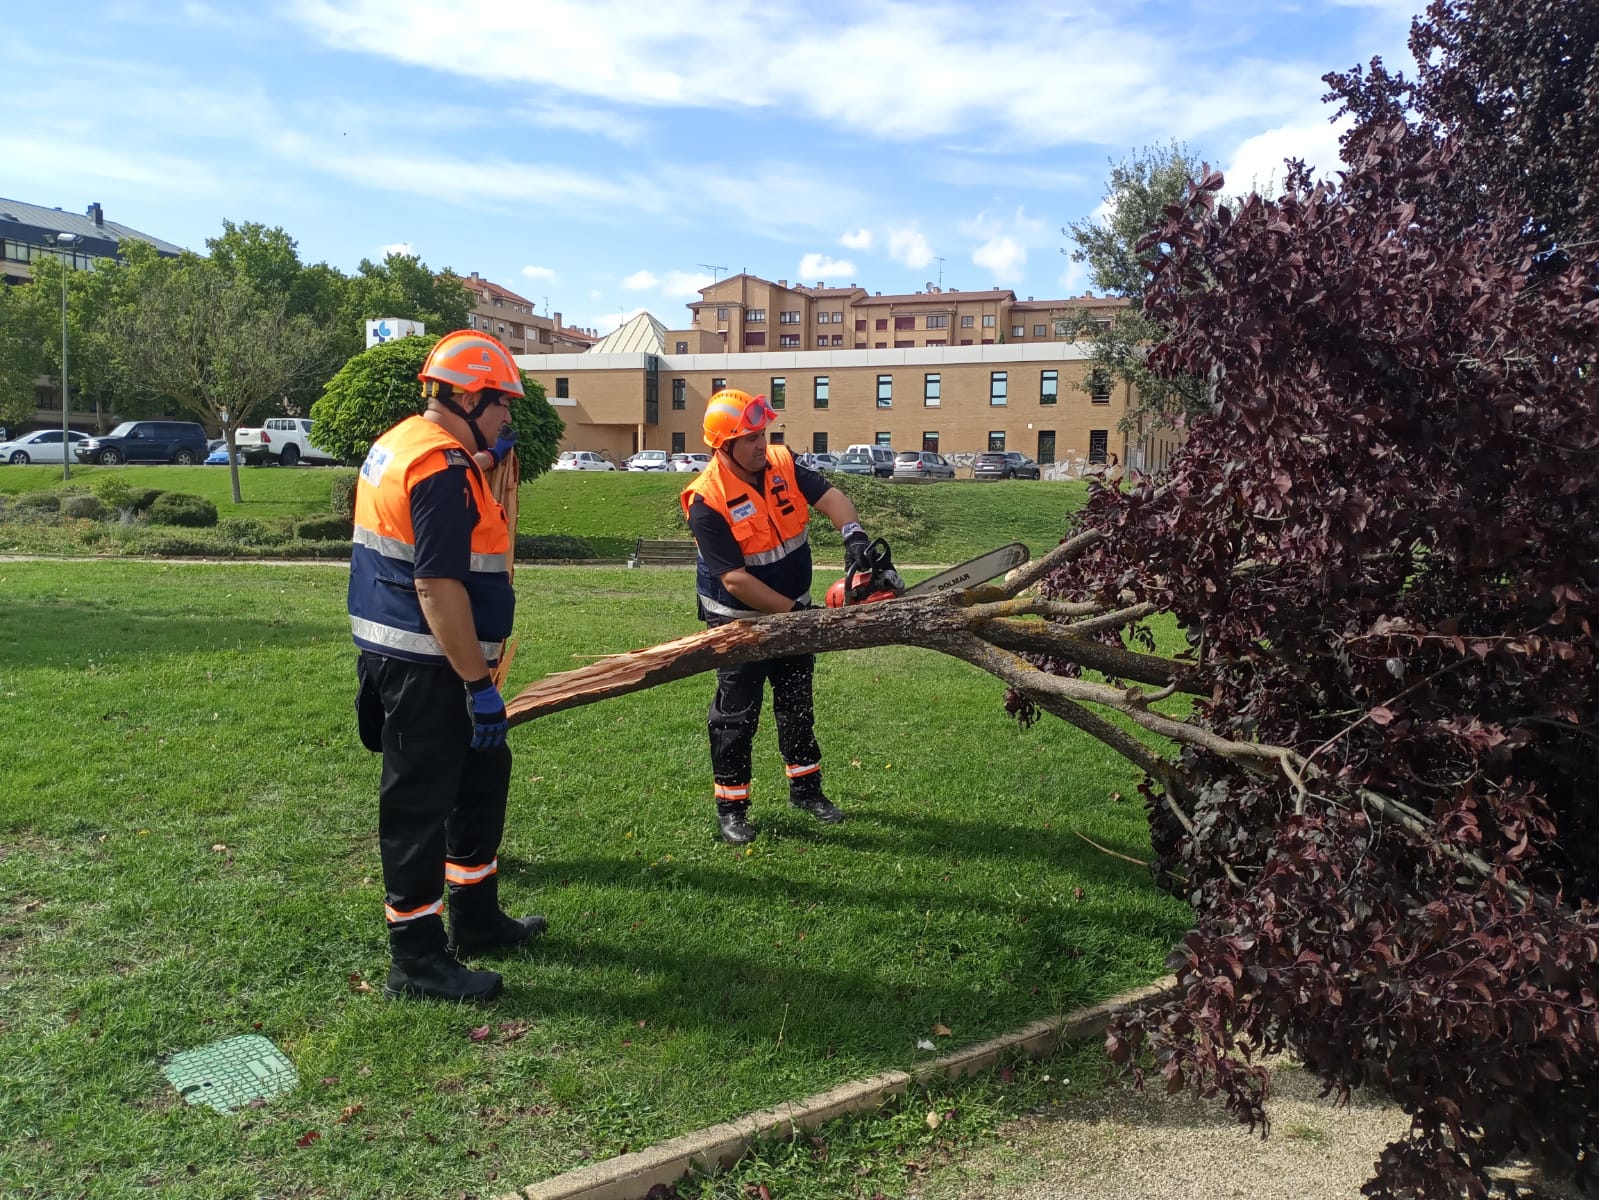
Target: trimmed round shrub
x=140, y=499
x=41, y=501
x=179, y=508
x=551, y=545
x=89, y=507
x=344, y=492
x=324, y=529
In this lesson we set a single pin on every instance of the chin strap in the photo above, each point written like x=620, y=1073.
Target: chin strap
x=443, y=395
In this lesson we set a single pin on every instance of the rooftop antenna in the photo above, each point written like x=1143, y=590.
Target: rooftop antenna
x=715, y=271
x=940, y=258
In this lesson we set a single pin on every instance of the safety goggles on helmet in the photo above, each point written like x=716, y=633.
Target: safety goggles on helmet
x=732, y=414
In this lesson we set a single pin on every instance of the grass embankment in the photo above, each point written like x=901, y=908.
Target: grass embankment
x=187, y=853
x=934, y=523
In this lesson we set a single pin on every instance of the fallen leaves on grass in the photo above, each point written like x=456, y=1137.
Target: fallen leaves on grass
x=357, y=984
x=306, y=1138
x=480, y=1033
x=349, y=1111
x=510, y=1031
x=941, y=1030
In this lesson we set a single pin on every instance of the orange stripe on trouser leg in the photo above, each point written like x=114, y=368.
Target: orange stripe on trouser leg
x=399, y=917
x=732, y=791
x=460, y=876
x=794, y=772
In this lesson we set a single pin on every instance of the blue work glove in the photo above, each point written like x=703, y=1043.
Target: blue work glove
x=503, y=446
x=487, y=709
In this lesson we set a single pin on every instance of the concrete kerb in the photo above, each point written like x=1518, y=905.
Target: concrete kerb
x=631, y=1176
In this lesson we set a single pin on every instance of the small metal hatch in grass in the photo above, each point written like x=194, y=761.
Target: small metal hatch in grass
x=229, y=1074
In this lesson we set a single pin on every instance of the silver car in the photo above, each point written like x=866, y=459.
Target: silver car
x=922, y=465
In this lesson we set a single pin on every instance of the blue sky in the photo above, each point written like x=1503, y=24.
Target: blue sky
x=599, y=156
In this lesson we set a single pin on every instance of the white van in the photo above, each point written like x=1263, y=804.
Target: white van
x=882, y=459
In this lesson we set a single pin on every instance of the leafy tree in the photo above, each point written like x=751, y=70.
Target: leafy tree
x=214, y=345
x=1140, y=189
x=378, y=388
x=23, y=333
x=402, y=285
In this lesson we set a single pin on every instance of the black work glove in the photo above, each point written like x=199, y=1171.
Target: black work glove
x=487, y=709
x=856, y=545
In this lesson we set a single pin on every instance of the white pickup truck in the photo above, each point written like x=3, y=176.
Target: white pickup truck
x=280, y=439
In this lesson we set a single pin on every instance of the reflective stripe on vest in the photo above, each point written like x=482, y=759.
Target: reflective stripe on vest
x=712, y=605
x=385, y=614
x=769, y=527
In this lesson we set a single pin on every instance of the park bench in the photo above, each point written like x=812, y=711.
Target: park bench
x=649, y=552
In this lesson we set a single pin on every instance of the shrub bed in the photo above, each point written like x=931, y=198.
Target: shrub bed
x=179, y=508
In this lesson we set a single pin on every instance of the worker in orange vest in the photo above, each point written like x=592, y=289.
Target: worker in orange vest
x=430, y=605
x=749, y=511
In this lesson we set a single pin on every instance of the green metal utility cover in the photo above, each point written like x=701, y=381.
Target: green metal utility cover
x=228, y=1075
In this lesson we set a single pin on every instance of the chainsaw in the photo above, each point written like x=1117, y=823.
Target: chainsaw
x=872, y=577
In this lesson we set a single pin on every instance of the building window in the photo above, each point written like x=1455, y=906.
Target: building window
x=996, y=439
x=1040, y=330
x=988, y=341
x=563, y=390
x=1048, y=386
x=838, y=317
x=821, y=341
x=838, y=339
x=1099, y=387
x=679, y=395
x=721, y=314
x=1098, y=444
x=756, y=316
x=682, y=347
x=940, y=321
x=775, y=437
x=938, y=341
x=904, y=343
x=789, y=316
x=988, y=320
x=885, y=391
x=932, y=386
x=789, y=339
x=718, y=382
x=966, y=322
x=904, y=322
x=779, y=392
x=966, y=341
x=1018, y=331
x=820, y=394
x=755, y=338
x=996, y=387
x=883, y=439
x=860, y=345
x=860, y=325
x=678, y=443
x=930, y=441
x=880, y=323
x=818, y=443
x=1046, y=446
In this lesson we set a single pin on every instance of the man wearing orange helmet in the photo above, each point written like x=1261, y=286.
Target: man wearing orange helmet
x=749, y=511
x=430, y=605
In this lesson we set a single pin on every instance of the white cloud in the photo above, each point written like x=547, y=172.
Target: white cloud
x=1003, y=257
x=857, y=239
x=908, y=247
x=395, y=248
x=1257, y=162
x=640, y=281
x=595, y=122
x=539, y=272
x=683, y=284
x=821, y=267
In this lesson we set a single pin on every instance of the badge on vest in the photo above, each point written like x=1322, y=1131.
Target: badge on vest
x=377, y=461
x=457, y=458
x=743, y=510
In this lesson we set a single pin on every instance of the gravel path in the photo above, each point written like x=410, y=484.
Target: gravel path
x=1129, y=1146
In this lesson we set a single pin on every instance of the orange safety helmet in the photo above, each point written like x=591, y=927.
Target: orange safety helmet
x=732, y=413
x=469, y=361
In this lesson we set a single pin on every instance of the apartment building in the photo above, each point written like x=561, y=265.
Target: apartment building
x=750, y=314
x=30, y=231
x=515, y=321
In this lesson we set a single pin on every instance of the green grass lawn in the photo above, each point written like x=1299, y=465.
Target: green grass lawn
x=609, y=510
x=188, y=853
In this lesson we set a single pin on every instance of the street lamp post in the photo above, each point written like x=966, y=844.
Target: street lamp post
x=64, y=243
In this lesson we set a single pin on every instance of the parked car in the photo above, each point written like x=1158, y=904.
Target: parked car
x=1004, y=464
x=922, y=465
x=690, y=464
x=820, y=461
x=45, y=446
x=219, y=453
x=181, y=442
x=649, y=460
x=855, y=463
x=882, y=459
x=285, y=440
x=582, y=460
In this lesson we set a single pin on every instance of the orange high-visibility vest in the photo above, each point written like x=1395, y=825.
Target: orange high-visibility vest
x=770, y=527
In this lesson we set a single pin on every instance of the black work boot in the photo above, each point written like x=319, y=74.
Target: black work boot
x=440, y=977
x=818, y=805
x=734, y=821
x=478, y=925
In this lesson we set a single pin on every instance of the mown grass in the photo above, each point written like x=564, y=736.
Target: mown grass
x=936, y=523
x=187, y=852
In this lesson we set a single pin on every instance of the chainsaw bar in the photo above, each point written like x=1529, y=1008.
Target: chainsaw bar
x=973, y=571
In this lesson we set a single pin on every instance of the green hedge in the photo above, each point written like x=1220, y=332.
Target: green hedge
x=88, y=507
x=255, y=531
x=179, y=508
x=324, y=529
x=40, y=501
x=344, y=492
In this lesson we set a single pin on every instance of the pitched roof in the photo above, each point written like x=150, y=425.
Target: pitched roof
x=477, y=283
x=642, y=335
x=57, y=221
x=949, y=296
x=1074, y=302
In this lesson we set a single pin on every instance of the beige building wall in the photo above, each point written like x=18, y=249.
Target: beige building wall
x=955, y=400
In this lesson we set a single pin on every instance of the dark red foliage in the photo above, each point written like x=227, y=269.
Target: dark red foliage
x=1385, y=538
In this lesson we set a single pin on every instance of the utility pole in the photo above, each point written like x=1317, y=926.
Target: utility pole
x=715, y=271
